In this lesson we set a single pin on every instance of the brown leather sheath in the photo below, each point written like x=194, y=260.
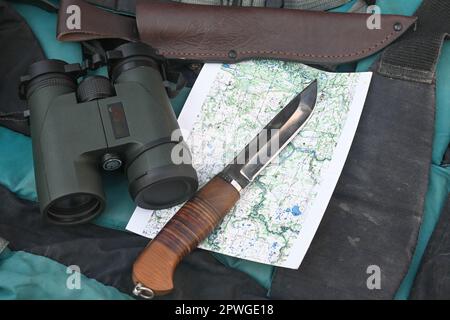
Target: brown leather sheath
x=231, y=34
x=94, y=23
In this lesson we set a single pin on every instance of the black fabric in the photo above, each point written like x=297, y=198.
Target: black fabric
x=446, y=159
x=19, y=49
x=433, y=280
x=375, y=213
x=414, y=57
x=108, y=255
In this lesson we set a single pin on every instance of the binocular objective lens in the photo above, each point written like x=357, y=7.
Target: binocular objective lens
x=73, y=209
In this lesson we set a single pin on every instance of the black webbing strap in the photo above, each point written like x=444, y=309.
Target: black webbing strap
x=289, y=4
x=415, y=55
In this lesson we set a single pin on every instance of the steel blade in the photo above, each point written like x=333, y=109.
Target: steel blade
x=275, y=136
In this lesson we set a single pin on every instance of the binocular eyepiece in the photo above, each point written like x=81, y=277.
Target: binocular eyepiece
x=124, y=121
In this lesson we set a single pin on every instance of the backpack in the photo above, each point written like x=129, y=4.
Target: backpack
x=389, y=196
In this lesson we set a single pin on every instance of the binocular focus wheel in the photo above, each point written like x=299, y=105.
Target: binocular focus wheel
x=93, y=88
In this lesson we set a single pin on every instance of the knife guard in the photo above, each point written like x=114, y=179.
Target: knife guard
x=231, y=34
x=155, y=266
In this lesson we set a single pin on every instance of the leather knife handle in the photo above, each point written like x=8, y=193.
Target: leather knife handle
x=155, y=266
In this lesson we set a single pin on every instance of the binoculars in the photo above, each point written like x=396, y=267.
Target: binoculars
x=121, y=122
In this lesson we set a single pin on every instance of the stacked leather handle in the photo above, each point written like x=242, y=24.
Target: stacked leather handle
x=156, y=265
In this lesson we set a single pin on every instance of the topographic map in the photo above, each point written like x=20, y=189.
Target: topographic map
x=276, y=218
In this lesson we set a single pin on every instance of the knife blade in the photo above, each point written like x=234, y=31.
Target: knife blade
x=154, y=268
x=273, y=138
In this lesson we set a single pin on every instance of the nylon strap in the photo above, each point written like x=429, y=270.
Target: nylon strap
x=124, y=6
x=129, y=6
x=288, y=4
x=414, y=57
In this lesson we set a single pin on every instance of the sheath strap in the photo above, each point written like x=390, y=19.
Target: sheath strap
x=93, y=23
x=414, y=57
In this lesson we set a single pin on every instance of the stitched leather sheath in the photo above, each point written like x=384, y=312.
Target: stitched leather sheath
x=231, y=34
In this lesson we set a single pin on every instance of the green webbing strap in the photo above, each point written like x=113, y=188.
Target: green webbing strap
x=415, y=56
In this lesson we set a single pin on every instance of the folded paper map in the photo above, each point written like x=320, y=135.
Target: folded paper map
x=277, y=216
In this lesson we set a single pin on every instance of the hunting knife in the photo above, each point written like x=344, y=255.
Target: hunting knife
x=154, y=268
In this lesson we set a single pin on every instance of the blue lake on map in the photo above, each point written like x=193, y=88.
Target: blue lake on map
x=295, y=210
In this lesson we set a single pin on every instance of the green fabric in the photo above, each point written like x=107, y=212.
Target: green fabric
x=119, y=205
x=43, y=24
x=16, y=164
x=261, y=273
x=27, y=276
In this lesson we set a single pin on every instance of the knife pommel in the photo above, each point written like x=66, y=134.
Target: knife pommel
x=156, y=265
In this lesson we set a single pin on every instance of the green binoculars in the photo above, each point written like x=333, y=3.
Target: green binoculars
x=122, y=122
